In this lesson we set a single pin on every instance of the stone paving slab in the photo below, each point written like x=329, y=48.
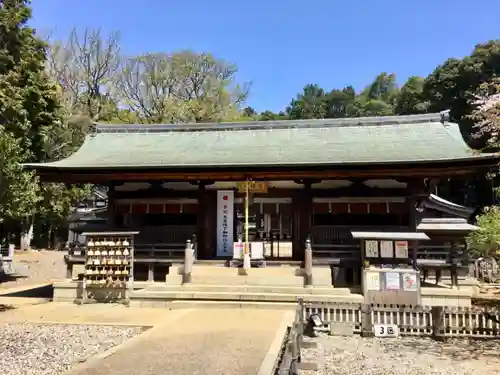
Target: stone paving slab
x=198, y=342
x=69, y=313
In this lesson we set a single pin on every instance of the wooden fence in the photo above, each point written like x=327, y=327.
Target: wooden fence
x=436, y=321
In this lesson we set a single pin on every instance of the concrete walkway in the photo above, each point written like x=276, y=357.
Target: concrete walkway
x=194, y=342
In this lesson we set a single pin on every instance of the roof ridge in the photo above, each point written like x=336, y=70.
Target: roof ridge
x=269, y=125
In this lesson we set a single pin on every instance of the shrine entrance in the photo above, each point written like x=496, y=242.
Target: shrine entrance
x=269, y=225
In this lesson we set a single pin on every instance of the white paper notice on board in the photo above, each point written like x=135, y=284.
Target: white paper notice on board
x=401, y=249
x=386, y=249
x=371, y=249
x=410, y=282
x=373, y=281
x=392, y=281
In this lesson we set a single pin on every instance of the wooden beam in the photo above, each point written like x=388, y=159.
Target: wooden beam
x=409, y=173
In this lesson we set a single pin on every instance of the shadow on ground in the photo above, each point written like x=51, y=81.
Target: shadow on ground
x=46, y=291
x=6, y=307
x=10, y=278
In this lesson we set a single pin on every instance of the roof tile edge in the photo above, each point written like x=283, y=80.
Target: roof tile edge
x=269, y=125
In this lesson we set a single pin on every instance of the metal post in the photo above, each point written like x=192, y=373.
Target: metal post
x=308, y=279
x=188, y=262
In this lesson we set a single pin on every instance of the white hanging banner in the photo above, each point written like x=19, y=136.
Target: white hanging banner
x=225, y=219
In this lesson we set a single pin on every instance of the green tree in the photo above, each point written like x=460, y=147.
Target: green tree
x=249, y=112
x=310, y=104
x=452, y=84
x=383, y=88
x=19, y=190
x=340, y=103
x=33, y=122
x=410, y=98
x=271, y=116
x=486, y=242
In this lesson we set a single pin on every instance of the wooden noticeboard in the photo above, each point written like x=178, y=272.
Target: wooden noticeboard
x=386, y=252
x=391, y=286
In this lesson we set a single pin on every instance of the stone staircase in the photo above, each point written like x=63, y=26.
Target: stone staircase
x=217, y=286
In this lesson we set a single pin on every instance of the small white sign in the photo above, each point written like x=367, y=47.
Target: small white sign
x=373, y=281
x=386, y=249
x=386, y=330
x=402, y=249
x=392, y=281
x=371, y=249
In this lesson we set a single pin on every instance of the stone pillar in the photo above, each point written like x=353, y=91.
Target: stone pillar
x=308, y=264
x=188, y=263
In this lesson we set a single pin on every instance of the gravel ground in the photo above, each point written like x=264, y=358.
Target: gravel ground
x=402, y=356
x=36, y=267
x=53, y=349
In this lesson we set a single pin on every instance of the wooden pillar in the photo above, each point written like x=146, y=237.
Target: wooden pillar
x=203, y=251
x=453, y=261
x=302, y=208
x=207, y=223
x=111, y=210
x=411, y=202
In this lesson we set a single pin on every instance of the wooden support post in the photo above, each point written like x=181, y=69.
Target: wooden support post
x=308, y=260
x=438, y=276
x=412, y=206
x=437, y=313
x=453, y=268
x=188, y=262
x=366, y=320
x=425, y=274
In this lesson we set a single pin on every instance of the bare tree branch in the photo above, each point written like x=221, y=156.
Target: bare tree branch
x=84, y=66
x=179, y=87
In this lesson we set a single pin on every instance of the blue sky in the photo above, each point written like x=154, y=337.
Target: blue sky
x=280, y=46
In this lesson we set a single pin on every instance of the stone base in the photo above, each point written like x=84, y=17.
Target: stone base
x=447, y=297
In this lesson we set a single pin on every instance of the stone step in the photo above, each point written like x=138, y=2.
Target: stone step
x=196, y=304
x=146, y=295
x=216, y=270
x=249, y=289
x=248, y=280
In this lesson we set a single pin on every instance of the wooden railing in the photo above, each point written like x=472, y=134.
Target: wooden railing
x=163, y=242
x=167, y=234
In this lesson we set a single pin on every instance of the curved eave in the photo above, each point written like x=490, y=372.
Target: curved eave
x=485, y=160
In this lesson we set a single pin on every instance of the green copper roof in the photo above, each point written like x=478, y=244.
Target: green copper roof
x=374, y=140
